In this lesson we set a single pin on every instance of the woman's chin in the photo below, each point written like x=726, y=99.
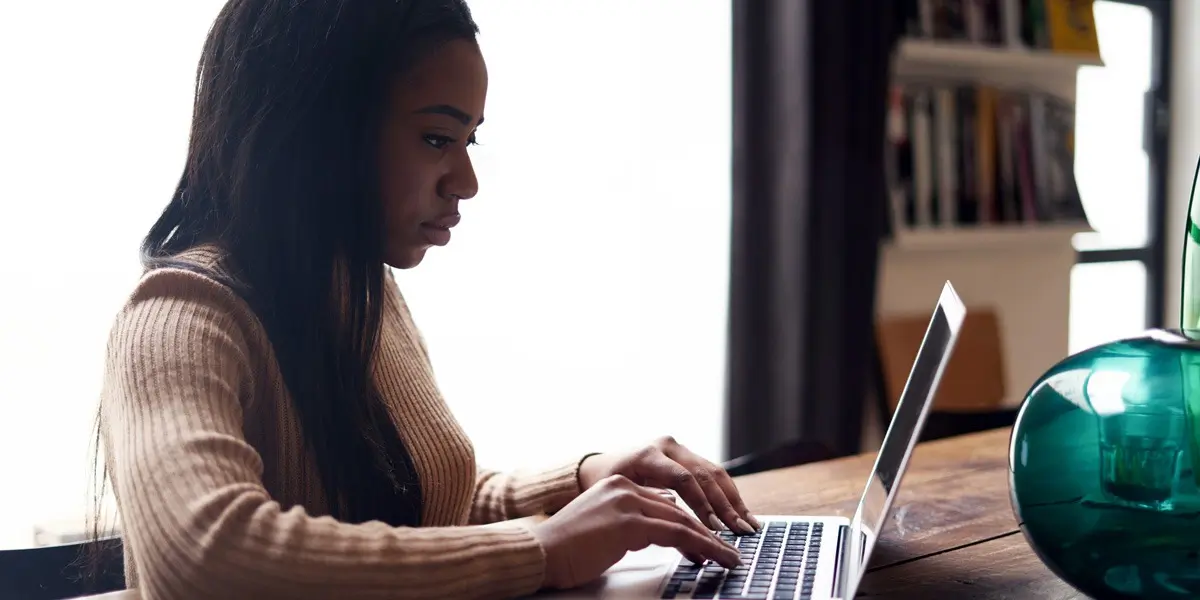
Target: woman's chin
x=406, y=258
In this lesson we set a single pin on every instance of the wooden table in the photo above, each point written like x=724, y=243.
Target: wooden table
x=951, y=535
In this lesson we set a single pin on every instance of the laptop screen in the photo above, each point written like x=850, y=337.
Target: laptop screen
x=902, y=434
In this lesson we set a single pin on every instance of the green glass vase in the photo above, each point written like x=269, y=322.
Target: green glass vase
x=1104, y=459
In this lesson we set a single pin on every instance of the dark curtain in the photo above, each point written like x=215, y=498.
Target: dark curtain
x=809, y=102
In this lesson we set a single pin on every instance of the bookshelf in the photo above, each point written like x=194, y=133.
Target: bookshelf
x=921, y=59
x=997, y=238
x=1000, y=79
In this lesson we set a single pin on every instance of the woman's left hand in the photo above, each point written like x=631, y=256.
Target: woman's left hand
x=706, y=487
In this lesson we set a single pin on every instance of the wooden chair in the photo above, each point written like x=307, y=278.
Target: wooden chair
x=971, y=396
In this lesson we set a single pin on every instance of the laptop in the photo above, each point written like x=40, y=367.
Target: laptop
x=803, y=557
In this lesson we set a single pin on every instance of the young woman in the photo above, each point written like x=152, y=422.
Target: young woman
x=270, y=420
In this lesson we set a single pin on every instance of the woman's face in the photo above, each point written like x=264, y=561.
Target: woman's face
x=431, y=119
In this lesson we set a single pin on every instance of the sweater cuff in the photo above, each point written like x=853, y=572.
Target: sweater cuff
x=524, y=562
x=551, y=490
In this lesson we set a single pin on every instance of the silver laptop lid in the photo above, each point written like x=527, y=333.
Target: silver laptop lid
x=902, y=435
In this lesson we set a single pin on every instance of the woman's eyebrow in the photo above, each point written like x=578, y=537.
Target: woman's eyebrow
x=450, y=111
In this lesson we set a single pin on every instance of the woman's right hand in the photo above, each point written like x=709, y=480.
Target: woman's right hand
x=616, y=516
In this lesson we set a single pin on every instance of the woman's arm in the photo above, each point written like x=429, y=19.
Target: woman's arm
x=194, y=510
x=504, y=496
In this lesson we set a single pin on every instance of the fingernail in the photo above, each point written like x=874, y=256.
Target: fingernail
x=757, y=524
x=715, y=523
x=744, y=526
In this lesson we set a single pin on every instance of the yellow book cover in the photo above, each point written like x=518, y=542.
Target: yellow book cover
x=1072, y=26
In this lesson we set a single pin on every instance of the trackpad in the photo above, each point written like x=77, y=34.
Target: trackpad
x=638, y=575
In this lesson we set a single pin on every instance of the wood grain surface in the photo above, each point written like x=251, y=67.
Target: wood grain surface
x=951, y=534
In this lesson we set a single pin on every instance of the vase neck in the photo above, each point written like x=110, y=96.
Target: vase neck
x=1189, y=306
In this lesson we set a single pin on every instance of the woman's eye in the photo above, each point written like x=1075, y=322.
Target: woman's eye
x=471, y=141
x=437, y=141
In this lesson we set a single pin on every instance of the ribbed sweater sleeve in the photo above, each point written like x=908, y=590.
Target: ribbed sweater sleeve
x=502, y=496
x=190, y=491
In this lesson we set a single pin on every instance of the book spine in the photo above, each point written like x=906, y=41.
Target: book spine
x=947, y=159
x=923, y=159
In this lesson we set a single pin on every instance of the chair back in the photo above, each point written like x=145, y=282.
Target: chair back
x=62, y=571
x=972, y=395
x=974, y=377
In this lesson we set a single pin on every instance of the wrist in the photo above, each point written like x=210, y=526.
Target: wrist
x=589, y=471
x=542, y=534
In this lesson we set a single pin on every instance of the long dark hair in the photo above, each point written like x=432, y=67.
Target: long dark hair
x=282, y=177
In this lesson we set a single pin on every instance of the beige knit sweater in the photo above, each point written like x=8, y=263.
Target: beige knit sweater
x=219, y=499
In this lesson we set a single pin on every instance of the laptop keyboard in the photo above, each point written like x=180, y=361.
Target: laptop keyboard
x=778, y=563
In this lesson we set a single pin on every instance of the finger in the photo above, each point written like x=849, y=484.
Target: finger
x=664, y=492
x=659, y=494
x=662, y=528
x=653, y=493
x=659, y=469
x=735, y=497
x=722, y=492
x=666, y=509
x=708, y=478
x=696, y=545
x=655, y=501
x=669, y=510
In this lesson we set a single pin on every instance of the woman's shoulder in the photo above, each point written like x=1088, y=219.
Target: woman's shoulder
x=195, y=276
x=182, y=330
x=188, y=294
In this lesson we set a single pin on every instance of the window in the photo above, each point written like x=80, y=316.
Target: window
x=587, y=282
x=581, y=305
x=1117, y=287
x=95, y=120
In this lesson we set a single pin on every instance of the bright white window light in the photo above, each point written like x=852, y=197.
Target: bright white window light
x=580, y=306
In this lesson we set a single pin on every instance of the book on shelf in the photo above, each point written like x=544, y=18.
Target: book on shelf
x=965, y=155
x=1054, y=25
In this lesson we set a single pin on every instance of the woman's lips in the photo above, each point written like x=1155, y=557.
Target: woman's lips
x=437, y=231
x=445, y=221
